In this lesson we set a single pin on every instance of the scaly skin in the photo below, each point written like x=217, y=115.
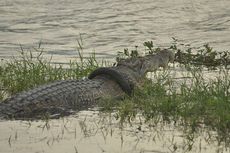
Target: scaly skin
x=62, y=96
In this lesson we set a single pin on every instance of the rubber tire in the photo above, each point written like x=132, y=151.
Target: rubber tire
x=123, y=83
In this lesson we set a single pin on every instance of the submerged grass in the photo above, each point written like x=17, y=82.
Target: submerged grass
x=193, y=103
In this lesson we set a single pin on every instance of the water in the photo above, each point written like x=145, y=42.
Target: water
x=108, y=26
x=90, y=132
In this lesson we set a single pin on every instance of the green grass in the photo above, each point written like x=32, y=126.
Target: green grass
x=31, y=69
x=196, y=108
x=194, y=104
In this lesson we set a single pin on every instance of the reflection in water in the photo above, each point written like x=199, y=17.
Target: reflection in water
x=109, y=26
x=93, y=132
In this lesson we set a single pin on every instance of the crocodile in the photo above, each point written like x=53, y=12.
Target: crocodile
x=63, y=96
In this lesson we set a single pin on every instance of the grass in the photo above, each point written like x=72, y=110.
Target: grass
x=197, y=107
x=194, y=103
x=31, y=69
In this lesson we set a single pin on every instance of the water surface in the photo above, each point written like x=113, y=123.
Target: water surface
x=107, y=26
x=91, y=132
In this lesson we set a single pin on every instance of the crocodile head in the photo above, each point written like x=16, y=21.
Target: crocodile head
x=151, y=63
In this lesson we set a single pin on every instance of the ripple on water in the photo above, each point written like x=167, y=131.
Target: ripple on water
x=108, y=26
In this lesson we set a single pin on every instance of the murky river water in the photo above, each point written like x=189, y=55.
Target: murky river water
x=90, y=132
x=111, y=25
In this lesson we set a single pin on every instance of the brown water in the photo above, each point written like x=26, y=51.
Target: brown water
x=107, y=26
x=91, y=132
